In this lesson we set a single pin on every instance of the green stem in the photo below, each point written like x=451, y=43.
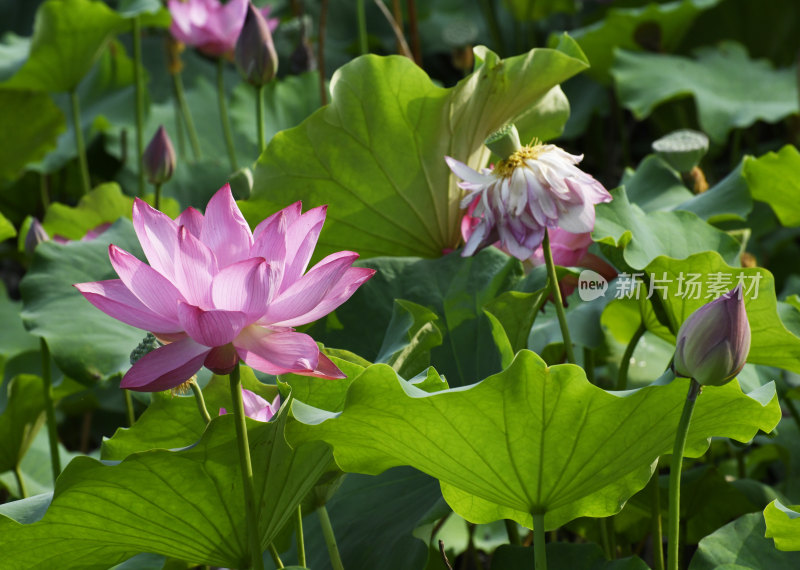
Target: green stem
x=301, y=546
x=556, y=291
x=601, y=523
x=588, y=363
x=129, y=407
x=76, y=124
x=187, y=116
x=201, y=403
x=675, y=476
x=157, y=199
x=52, y=432
x=658, y=548
x=539, y=554
x=178, y=123
x=330, y=538
x=44, y=189
x=223, y=114
x=792, y=410
x=622, y=378
x=256, y=560
x=23, y=492
x=494, y=27
x=262, y=138
x=362, y=27
x=608, y=522
x=276, y=559
x=139, y=105
x=513, y=533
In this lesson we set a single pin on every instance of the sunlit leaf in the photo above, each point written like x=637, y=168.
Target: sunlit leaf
x=774, y=171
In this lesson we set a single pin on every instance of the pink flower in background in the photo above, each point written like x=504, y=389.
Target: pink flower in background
x=256, y=407
x=215, y=292
x=536, y=187
x=210, y=26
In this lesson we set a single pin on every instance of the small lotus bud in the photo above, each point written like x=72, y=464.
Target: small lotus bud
x=255, y=53
x=714, y=341
x=36, y=235
x=159, y=158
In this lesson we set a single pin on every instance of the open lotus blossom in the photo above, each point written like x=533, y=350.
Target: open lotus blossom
x=215, y=292
x=536, y=187
x=210, y=26
x=256, y=407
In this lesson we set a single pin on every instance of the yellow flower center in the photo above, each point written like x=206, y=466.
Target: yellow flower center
x=506, y=167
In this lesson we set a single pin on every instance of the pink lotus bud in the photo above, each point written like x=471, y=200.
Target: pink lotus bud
x=714, y=341
x=36, y=235
x=255, y=53
x=159, y=158
x=256, y=407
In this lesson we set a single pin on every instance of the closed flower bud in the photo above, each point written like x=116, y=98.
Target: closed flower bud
x=714, y=341
x=255, y=53
x=159, y=158
x=36, y=235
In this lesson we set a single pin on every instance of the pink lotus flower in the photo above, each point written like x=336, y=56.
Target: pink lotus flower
x=215, y=292
x=211, y=27
x=256, y=407
x=536, y=187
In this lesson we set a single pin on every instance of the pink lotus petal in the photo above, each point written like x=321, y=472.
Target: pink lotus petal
x=192, y=219
x=327, y=369
x=277, y=352
x=114, y=299
x=207, y=25
x=258, y=408
x=245, y=286
x=211, y=328
x=158, y=235
x=467, y=173
x=221, y=359
x=225, y=230
x=195, y=267
x=330, y=282
x=149, y=286
x=289, y=214
x=165, y=367
x=301, y=239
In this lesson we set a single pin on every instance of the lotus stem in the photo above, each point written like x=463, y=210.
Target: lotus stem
x=223, y=114
x=201, y=402
x=129, y=414
x=177, y=82
x=558, y=301
x=52, y=431
x=276, y=559
x=262, y=138
x=23, y=492
x=76, y=124
x=330, y=538
x=157, y=198
x=363, y=46
x=673, y=546
x=256, y=560
x=139, y=101
x=301, y=547
x=539, y=552
x=622, y=378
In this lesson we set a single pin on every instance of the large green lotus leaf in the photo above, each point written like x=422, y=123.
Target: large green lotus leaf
x=410, y=337
x=185, y=504
x=14, y=51
x=104, y=204
x=68, y=37
x=772, y=344
x=171, y=422
x=645, y=236
x=376, y=153
x=773, y=179
x=14, y=339
x=21, y=419
x=546, y=439
x=87, y=344
x=741, y=544
x=730, y=89
x=783, y=526
x=453, y=287
x=654, y=185
x=655, y=27
x=32, y=123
